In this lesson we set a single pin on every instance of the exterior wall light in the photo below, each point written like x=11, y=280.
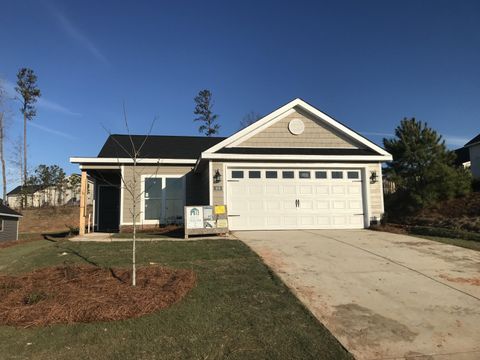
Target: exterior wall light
x=217, y=177
x=373, y=177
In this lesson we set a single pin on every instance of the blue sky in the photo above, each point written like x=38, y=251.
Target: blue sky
x=366, y=63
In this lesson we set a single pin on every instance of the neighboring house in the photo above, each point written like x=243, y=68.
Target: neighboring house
x=296, y=168
x=9, y=220
x=463, y=157
x=38, y=196
x=473, y=147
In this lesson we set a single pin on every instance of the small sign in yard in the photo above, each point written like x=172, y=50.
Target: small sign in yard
x=205, y=220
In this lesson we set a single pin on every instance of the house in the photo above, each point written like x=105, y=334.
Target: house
x=296, y=168
x=473, y=147
x=9, y=220
x=39, y=195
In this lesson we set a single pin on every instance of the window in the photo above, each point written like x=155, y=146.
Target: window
x=304, y=174
x=163, y=198
x=353, y=175
x=337, y=174
x=1, y=225
x=237, y=174
x=287, y=174
x=320, y=174
x=254, y=174
x=271, y=174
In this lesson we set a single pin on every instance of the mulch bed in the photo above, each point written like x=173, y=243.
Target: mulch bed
x=71, y=294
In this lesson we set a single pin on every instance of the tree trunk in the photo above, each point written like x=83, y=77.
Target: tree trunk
x=2, y=159
x=25, y=152
x=134, y=269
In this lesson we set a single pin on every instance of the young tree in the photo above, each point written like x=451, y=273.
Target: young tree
x=132, y=186
x=3, y=115
x=204, y=109
x=249, y=119
x=422, y=168
x=29, y=93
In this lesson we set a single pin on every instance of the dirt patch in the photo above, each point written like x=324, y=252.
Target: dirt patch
x=461, y=280
x=71, y=294
x=366, y=328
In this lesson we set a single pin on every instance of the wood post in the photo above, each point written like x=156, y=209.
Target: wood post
x=83, y=203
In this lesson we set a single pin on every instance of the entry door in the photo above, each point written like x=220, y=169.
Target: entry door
x=271, y=199
x=108, y=208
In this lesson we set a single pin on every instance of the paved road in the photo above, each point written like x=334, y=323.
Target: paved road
x=384, y=296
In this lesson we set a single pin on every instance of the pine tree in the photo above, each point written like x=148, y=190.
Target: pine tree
x=203, y=108
x=422, y=168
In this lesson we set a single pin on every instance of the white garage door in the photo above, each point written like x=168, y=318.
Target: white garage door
x=273, y=199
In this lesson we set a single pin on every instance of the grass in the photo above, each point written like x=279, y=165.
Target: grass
x=238, y=310
x=468, y=244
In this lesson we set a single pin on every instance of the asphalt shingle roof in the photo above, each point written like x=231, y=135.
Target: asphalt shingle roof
x=476, y=139
x=157, y=146
x=5, y=210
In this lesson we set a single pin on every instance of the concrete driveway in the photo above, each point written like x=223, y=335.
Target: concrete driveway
x=383, y=296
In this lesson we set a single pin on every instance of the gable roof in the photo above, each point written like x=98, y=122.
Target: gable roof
x=6, y=211
x=475, y=140
x=28, y=189
x=157, y=146
x=463, y=155
x=285, y=110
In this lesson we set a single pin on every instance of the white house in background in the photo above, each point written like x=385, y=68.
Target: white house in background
x=473, y=147
x=38, y=196
x=296, y=168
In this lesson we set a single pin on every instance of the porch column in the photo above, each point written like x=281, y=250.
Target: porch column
x=83, y=202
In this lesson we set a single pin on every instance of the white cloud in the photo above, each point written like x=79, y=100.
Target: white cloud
x=42, y=102
x=377, y=134
x=456, y=140
x=76, y=34
x=51, y=131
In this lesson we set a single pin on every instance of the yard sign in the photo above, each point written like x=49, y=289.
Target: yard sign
x=205, y=220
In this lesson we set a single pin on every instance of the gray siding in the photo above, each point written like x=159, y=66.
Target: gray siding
x=9, y=231
x=316, y=134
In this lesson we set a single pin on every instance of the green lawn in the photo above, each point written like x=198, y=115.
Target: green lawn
x=239, y=309
x=469, y=244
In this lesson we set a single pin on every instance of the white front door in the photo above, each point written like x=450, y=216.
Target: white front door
x=274, y=199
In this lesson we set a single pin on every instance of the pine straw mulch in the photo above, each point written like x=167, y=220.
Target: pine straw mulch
x=71, y=294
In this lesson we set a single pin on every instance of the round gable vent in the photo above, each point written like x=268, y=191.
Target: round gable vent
x=296, y=126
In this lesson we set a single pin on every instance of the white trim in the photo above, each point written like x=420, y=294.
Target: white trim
x=11, y=215
x=275, y=116
x=367, y=200
x=373, y=158
x=472, y=144
x=18, y=226
x=210, y=184
x=95, y=160
x=380, y=177
x=142, y=195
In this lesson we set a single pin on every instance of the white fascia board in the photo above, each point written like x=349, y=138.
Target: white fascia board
x=11, y=215
x=473, y=144
x=95, y=160
x=298, y=157
x=277, y=116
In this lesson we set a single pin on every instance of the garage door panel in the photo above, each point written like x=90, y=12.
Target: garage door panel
x=338, y=189
x=296, y=202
